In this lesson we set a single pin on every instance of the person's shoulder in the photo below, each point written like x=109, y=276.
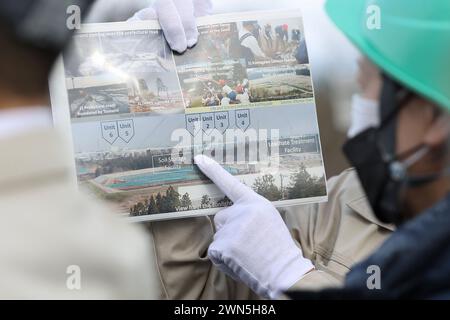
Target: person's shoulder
x=346, y=186
x=348, y=175
x=53, y=227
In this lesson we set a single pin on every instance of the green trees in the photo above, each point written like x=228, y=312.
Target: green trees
x=162, y=203
x=138, y=209
x=170, y=202
x=152, y=207
x=265, y=186
x=186, y=202
x=206, y=202
x=158, y=200
x=224, y=202
x=305, y=186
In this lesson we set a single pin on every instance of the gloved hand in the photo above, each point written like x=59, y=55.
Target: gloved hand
x=177, y=20
x=252, y=243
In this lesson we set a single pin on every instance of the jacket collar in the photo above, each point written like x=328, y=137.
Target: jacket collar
x=361, y=205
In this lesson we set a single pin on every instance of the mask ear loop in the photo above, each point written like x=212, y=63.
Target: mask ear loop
x=420, y=180
x=399, y=167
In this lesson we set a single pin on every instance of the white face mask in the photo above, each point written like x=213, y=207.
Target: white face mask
x=364, y=114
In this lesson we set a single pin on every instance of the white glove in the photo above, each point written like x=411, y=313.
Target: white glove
x=365, y=114
x=252, y=243
x=177, y=20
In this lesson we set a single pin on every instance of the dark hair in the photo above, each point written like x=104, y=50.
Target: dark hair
x=24, y=69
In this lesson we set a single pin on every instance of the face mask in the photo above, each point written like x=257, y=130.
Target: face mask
x=364, y=114
x=384, y=178
x=384, y=175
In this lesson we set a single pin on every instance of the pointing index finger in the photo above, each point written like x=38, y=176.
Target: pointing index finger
x=229, y=185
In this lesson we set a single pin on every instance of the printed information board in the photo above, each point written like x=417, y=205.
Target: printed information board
x=139, y=113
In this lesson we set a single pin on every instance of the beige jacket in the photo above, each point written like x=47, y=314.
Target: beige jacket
x=53, y=239
x=334, y=235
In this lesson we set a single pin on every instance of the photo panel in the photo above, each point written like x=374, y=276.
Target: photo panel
x=246, y=63
x=140, y=113
x=128, y=72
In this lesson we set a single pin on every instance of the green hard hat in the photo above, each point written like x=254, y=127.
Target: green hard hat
x=411, y=42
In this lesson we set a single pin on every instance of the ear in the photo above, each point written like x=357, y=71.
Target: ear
x=439, y=131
